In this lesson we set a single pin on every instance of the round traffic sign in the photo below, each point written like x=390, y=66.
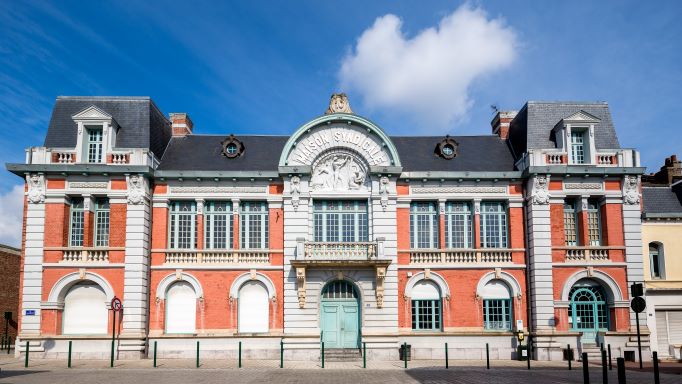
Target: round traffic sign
x=116, y=304
x=638, y=304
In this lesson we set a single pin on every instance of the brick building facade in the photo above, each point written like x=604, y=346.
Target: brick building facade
x=10, y=264
x=338, y=232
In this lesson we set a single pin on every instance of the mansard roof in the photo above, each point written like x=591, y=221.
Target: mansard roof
x=662, y=201
x=262, y=153
x=140, y=123
x=532, y=128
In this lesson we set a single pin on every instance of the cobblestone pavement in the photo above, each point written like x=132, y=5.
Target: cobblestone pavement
x=222, y=371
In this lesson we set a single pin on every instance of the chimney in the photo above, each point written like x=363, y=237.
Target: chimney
x=670, y=172
x=181, y=123
x=500, y=123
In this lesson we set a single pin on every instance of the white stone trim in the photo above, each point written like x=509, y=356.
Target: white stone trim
x=62, y=285
x=245, y=277
x=615, y=292
x=508, y=279
x=167, y=281
x=432, y=276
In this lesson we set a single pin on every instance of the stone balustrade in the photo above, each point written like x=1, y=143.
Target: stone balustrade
x=462, y=256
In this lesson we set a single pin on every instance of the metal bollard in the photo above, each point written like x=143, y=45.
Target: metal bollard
x=111, y=363
x=69, y=360
x=281, y=354
x=604, y=369
x=364, y=354
x=569, y=357
x=27, y=350
x=657, y=378
x=323, y=354
x=529, y=346
x=240, y=355
x=446, y=355
x=2, y=343
x=610, y=365
x=487, y=356
x=197, y=354
x=586, y=369
x=155, y=354
x=621, y=370
x=405, y=354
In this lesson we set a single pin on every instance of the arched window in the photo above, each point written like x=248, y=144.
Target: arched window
x=254, y=308
x=656, y=260
x=497, y=308
x=426, y=306
x=588, y=311
x=85, y=310
x=181, y=308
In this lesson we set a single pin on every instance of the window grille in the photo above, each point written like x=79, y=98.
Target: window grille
x=254, y=225
x=570, y=223
x=497, y=314
x=424, y=225
x=426, y=315
x=594, y=223
x=493, y=225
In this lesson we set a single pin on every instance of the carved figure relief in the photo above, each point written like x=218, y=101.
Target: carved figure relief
x=540, y=190
x=135, y=189
x=338, y=104
x=630, y=190
x=383, y=191
x=295, y=191
x=36, y=188
x=339, y=171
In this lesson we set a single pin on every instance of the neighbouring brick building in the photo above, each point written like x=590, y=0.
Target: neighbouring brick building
x=337, y=232
x=10, y=264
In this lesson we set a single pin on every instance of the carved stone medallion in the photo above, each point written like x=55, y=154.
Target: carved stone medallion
x=339, y=171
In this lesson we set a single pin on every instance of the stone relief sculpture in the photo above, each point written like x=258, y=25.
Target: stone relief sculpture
x=338, y=172
x=135, y=189
x=295, y=191
x=383, y=191
x=541, y=190
x=338, y=104
x=630, y=190
x=36, y=188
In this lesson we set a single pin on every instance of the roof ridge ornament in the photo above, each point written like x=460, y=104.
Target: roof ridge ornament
x=338, y=104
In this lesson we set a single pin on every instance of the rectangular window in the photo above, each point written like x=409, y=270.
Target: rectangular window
x=497, y=314
x=493, y=225
x=94, y=144
x=570, y=223
x=254, y=225
x=458, y=224
x=426, y=315
x=424, y=225
x=218, y=218
x=594, y=222
x=578, y=147
x=77, y=223
x=340, y=220
x=102, y=222
x=183, y=225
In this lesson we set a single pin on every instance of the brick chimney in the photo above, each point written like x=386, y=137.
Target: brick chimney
x=181, y=123
x=670, y=172
x=500, y=123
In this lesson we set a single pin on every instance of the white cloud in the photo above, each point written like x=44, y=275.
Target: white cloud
x=427, y=77
x=11, y=215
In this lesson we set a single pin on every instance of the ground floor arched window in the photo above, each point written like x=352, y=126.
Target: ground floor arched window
x=181, y=308
x=497, y=306
x=254, y=308
x=85, y=310
x=426, y=306
x=588, y=311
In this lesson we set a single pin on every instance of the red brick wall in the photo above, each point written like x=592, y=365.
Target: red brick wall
x=516, y=234
x=10, y=264
x=403, y=229
x=556, y=214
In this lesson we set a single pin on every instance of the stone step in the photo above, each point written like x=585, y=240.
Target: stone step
x=342, y=354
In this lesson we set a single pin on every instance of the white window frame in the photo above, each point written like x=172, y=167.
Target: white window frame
x=660, y=255
x=174, y=220
x=571, y=214
x=499, y=238
x=424, y=213
x=102, y=216
x=247, y=224
x=76, y=210
x=594, y=214
x=459, y=222
x=328, y=214
x=212, y=216
x=98, y=153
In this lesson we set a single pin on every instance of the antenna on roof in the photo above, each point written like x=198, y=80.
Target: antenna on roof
x=494, y=108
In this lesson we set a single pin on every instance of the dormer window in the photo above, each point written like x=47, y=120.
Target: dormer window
x=578, y=146
x=94, y=143
x=575, y=137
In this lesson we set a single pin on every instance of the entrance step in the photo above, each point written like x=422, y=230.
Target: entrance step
x=593, y=352
x=342, y=354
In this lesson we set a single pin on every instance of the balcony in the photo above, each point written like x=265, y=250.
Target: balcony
x=602, y=158
x=462, y=256
x=120, y=156
x=315, y=250
x=589, y=254
x=216, y=256
x=85, y=255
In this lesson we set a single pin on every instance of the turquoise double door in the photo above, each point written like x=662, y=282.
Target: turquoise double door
x=339, y=321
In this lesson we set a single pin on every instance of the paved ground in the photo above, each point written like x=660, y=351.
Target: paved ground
x=222, y=371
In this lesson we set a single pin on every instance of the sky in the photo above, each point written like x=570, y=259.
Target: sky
x=413, y=67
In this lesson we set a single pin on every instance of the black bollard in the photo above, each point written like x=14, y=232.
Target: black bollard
x=240, y=355
x=197, y=354
x=621, y=370
x=604, y=369
x=586, y=369
x=323, y=354
x=657, y=379
x=154, y=354
x=69, y=362
x=26, y=362
x=569, y=355
x=487, y=356
x=610, y=364
x=446, y=355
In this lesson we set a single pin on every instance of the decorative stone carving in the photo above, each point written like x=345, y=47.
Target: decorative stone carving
x=295, y=187
x=470, y=189
x=631, y=190
x=207, y=189
x=381, y=276
x=339, y=171
x=36, y=188
x=135, y=189
x=300, y=285
x=597, y=186
x=89, y=185
x=383, y=191
x=541, y=190
x=338, y=104
x=200, y=206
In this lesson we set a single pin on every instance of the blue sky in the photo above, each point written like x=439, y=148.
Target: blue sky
x=267, y=67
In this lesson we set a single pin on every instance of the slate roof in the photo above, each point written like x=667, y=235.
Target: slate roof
x=532, y=126
x=261, y=153
x=662, y=200
x=141, y=124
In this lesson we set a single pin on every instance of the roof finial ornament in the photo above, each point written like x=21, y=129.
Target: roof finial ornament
x=338, y=104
